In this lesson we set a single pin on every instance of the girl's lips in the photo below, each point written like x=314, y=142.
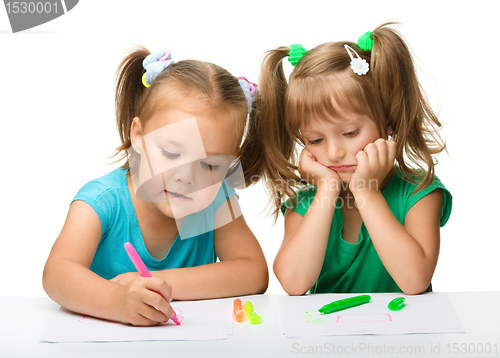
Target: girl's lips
x=176, y=196
x=341, y=168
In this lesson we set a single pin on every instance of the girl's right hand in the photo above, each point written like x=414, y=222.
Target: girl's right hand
x=139, y=304
x=316, y=173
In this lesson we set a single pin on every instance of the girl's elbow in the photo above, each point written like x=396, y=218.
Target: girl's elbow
x=293, y=286
x=261, y=280
x=415, y=287
x=49, y=284
x=46, y=279
x=295, y=291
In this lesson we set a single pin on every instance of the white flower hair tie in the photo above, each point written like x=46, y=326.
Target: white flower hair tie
x=358, y=65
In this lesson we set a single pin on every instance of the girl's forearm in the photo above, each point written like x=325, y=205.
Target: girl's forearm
x=78, y=289
x=402, y=256
x=236, y=277
x=300, y=257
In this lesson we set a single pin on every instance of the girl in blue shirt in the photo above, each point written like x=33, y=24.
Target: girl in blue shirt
x=181, y=125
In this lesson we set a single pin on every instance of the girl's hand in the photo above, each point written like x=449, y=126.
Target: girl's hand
x=374, y=163
x=316, y=173
x=125, y=278
x=139, y=304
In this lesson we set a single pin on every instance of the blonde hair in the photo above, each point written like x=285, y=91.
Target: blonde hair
x=193, y=84
x=389, y=93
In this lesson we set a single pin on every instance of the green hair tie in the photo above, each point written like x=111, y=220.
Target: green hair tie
x=296, y=53
x=365, y=41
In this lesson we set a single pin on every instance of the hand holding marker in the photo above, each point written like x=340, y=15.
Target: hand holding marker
x=143, y=271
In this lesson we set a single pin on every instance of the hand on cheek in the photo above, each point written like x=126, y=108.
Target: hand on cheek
x=316, y=173
x=374, y=162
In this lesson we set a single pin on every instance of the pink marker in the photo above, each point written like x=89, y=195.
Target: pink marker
x=143, y=270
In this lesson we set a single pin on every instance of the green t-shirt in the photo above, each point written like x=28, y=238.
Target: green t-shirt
x=357, y=268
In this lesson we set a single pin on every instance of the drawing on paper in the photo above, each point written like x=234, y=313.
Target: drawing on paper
x=179, y=317
x=316, y=317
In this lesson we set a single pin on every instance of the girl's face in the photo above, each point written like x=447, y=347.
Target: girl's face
x=184, y=158
x=336, y=143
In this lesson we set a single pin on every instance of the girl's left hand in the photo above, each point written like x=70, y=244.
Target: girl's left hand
x=374, y=163
x=125, y=278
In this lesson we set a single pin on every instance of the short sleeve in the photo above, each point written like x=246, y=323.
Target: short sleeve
x=303, y=199
x=447, y=199
x=102, y=200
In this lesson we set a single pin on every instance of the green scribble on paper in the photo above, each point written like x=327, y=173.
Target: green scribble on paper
x=315, y=318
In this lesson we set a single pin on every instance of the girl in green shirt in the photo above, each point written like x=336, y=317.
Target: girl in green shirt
x=365, y=213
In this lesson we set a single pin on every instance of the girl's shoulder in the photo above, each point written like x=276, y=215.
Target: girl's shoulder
x=107, y=195
x=301, y=201
x=115, y=180
x=402, y=193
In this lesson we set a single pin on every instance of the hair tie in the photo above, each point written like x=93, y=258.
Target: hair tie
x=365, y=41
x=249, y=91
x=296, y=53
x=154, y=63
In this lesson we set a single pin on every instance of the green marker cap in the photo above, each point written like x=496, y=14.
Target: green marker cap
x=396, y=304
x=345, y=303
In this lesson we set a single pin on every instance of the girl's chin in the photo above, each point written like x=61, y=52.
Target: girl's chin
x=344, y=177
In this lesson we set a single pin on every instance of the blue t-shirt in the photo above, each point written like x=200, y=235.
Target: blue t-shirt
x=110, y=198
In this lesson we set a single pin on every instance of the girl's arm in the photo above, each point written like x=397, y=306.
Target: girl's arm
x=410, y=252
x=242, y=269
x=69, y=282
x=300, y=257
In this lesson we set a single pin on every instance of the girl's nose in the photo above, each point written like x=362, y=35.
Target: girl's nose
x=335, y=151
x=184, y=173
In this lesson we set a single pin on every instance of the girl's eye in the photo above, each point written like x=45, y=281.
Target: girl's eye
x=316, y=141
x=352, y=133
x=170, y=155
x=209, y=166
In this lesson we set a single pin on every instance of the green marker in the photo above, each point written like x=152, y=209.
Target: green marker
x=253, y=317
x=345, y=303
x=396, y=304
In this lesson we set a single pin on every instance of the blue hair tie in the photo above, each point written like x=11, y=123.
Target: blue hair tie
x=249, y=91
x=154, y=63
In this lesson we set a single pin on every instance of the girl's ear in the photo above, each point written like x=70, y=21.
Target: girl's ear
x=390, y=132
x=136, y=135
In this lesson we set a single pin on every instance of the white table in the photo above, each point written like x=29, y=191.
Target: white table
x=24, y=319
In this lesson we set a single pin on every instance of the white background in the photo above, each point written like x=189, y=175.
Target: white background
x=58, y=126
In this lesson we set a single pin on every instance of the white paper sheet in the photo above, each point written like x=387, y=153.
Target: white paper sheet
x=426, y=313
x=200, y=320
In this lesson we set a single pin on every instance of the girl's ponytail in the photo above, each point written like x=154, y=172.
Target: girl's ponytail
x=406, y=109
x=268, y=146
x=128, y=94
